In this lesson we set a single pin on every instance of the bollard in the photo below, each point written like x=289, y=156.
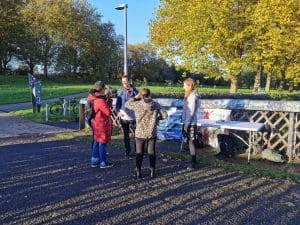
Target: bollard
x=47, y=112
x=69, y=107
x=65, y=106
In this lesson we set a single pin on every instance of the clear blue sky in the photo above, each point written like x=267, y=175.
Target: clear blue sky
x=139, y=14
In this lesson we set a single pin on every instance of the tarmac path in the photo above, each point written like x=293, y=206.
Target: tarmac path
x=14, y=126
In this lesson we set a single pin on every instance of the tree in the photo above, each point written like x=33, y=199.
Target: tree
x=275, y=38
x=44, y=20
x=145, y=63
x=10, y=29
x=222, y=36
x=89, y=46
x=29, y=50
x=209, y=32
x=102, y=50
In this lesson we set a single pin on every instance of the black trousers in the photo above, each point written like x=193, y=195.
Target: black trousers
x=140, y=146
x=127, y=126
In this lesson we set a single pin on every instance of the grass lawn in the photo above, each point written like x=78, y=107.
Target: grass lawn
x=41, y=117
x=15, y=89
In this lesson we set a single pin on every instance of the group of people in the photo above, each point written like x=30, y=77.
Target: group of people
x=138, y=113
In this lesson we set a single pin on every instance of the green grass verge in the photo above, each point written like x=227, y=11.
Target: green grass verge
x=15, y=89
x=244, y=168
x=41, y=117
x=65, y=136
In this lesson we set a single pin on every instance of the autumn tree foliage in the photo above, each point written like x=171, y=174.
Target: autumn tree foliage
x=220, y=37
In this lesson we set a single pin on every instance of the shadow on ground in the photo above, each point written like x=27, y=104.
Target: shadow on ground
x=52, y=183
x=74, y=125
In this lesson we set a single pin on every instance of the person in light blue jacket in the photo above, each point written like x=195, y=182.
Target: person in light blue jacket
x=189, y=118
x=127, y=116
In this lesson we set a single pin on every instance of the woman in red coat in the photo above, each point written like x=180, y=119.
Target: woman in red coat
x=101, y=124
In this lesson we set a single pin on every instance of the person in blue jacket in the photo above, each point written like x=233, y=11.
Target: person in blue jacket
x=127, y=116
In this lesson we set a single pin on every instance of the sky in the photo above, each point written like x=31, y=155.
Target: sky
x=139, y=14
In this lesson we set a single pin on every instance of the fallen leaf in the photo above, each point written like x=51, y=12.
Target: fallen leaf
x=295, y=195
x=290, y=204
x=215, y=202
x=164, y=181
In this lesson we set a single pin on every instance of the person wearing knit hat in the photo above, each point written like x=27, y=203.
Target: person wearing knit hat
x=101, y=124
x=99, y=86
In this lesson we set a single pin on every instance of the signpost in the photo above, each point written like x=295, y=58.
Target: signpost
x=35, y=87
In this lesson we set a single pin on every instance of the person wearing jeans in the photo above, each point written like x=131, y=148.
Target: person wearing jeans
x=101, y=124
x=99, y=155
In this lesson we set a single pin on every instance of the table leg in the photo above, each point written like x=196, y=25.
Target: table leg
x=250, y=145
x=181, y=146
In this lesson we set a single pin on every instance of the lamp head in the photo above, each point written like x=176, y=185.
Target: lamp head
x=121, y=7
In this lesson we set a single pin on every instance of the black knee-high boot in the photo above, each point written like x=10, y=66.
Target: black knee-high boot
x=194, y=160
x=152, y=159
x=193, y=163
x=138, y=163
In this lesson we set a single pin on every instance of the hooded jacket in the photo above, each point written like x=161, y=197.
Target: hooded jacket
x=102, y=124
x=147, y=113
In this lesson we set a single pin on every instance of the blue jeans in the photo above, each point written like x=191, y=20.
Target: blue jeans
x=98, y=153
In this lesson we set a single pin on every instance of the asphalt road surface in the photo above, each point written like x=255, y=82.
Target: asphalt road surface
x=46, y=181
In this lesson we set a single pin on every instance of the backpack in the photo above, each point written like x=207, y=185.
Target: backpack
x=89, y=112
x=228, y=145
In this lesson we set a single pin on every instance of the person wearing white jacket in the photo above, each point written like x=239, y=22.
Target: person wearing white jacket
x=189, y=118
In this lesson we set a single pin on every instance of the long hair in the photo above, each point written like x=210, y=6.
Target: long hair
x=191, y=83
x=145, y=92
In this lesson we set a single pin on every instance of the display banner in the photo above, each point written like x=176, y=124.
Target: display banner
x=35, y=87
x=171, y=128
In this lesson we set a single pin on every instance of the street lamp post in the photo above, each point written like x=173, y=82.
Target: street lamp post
x=121, y=7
